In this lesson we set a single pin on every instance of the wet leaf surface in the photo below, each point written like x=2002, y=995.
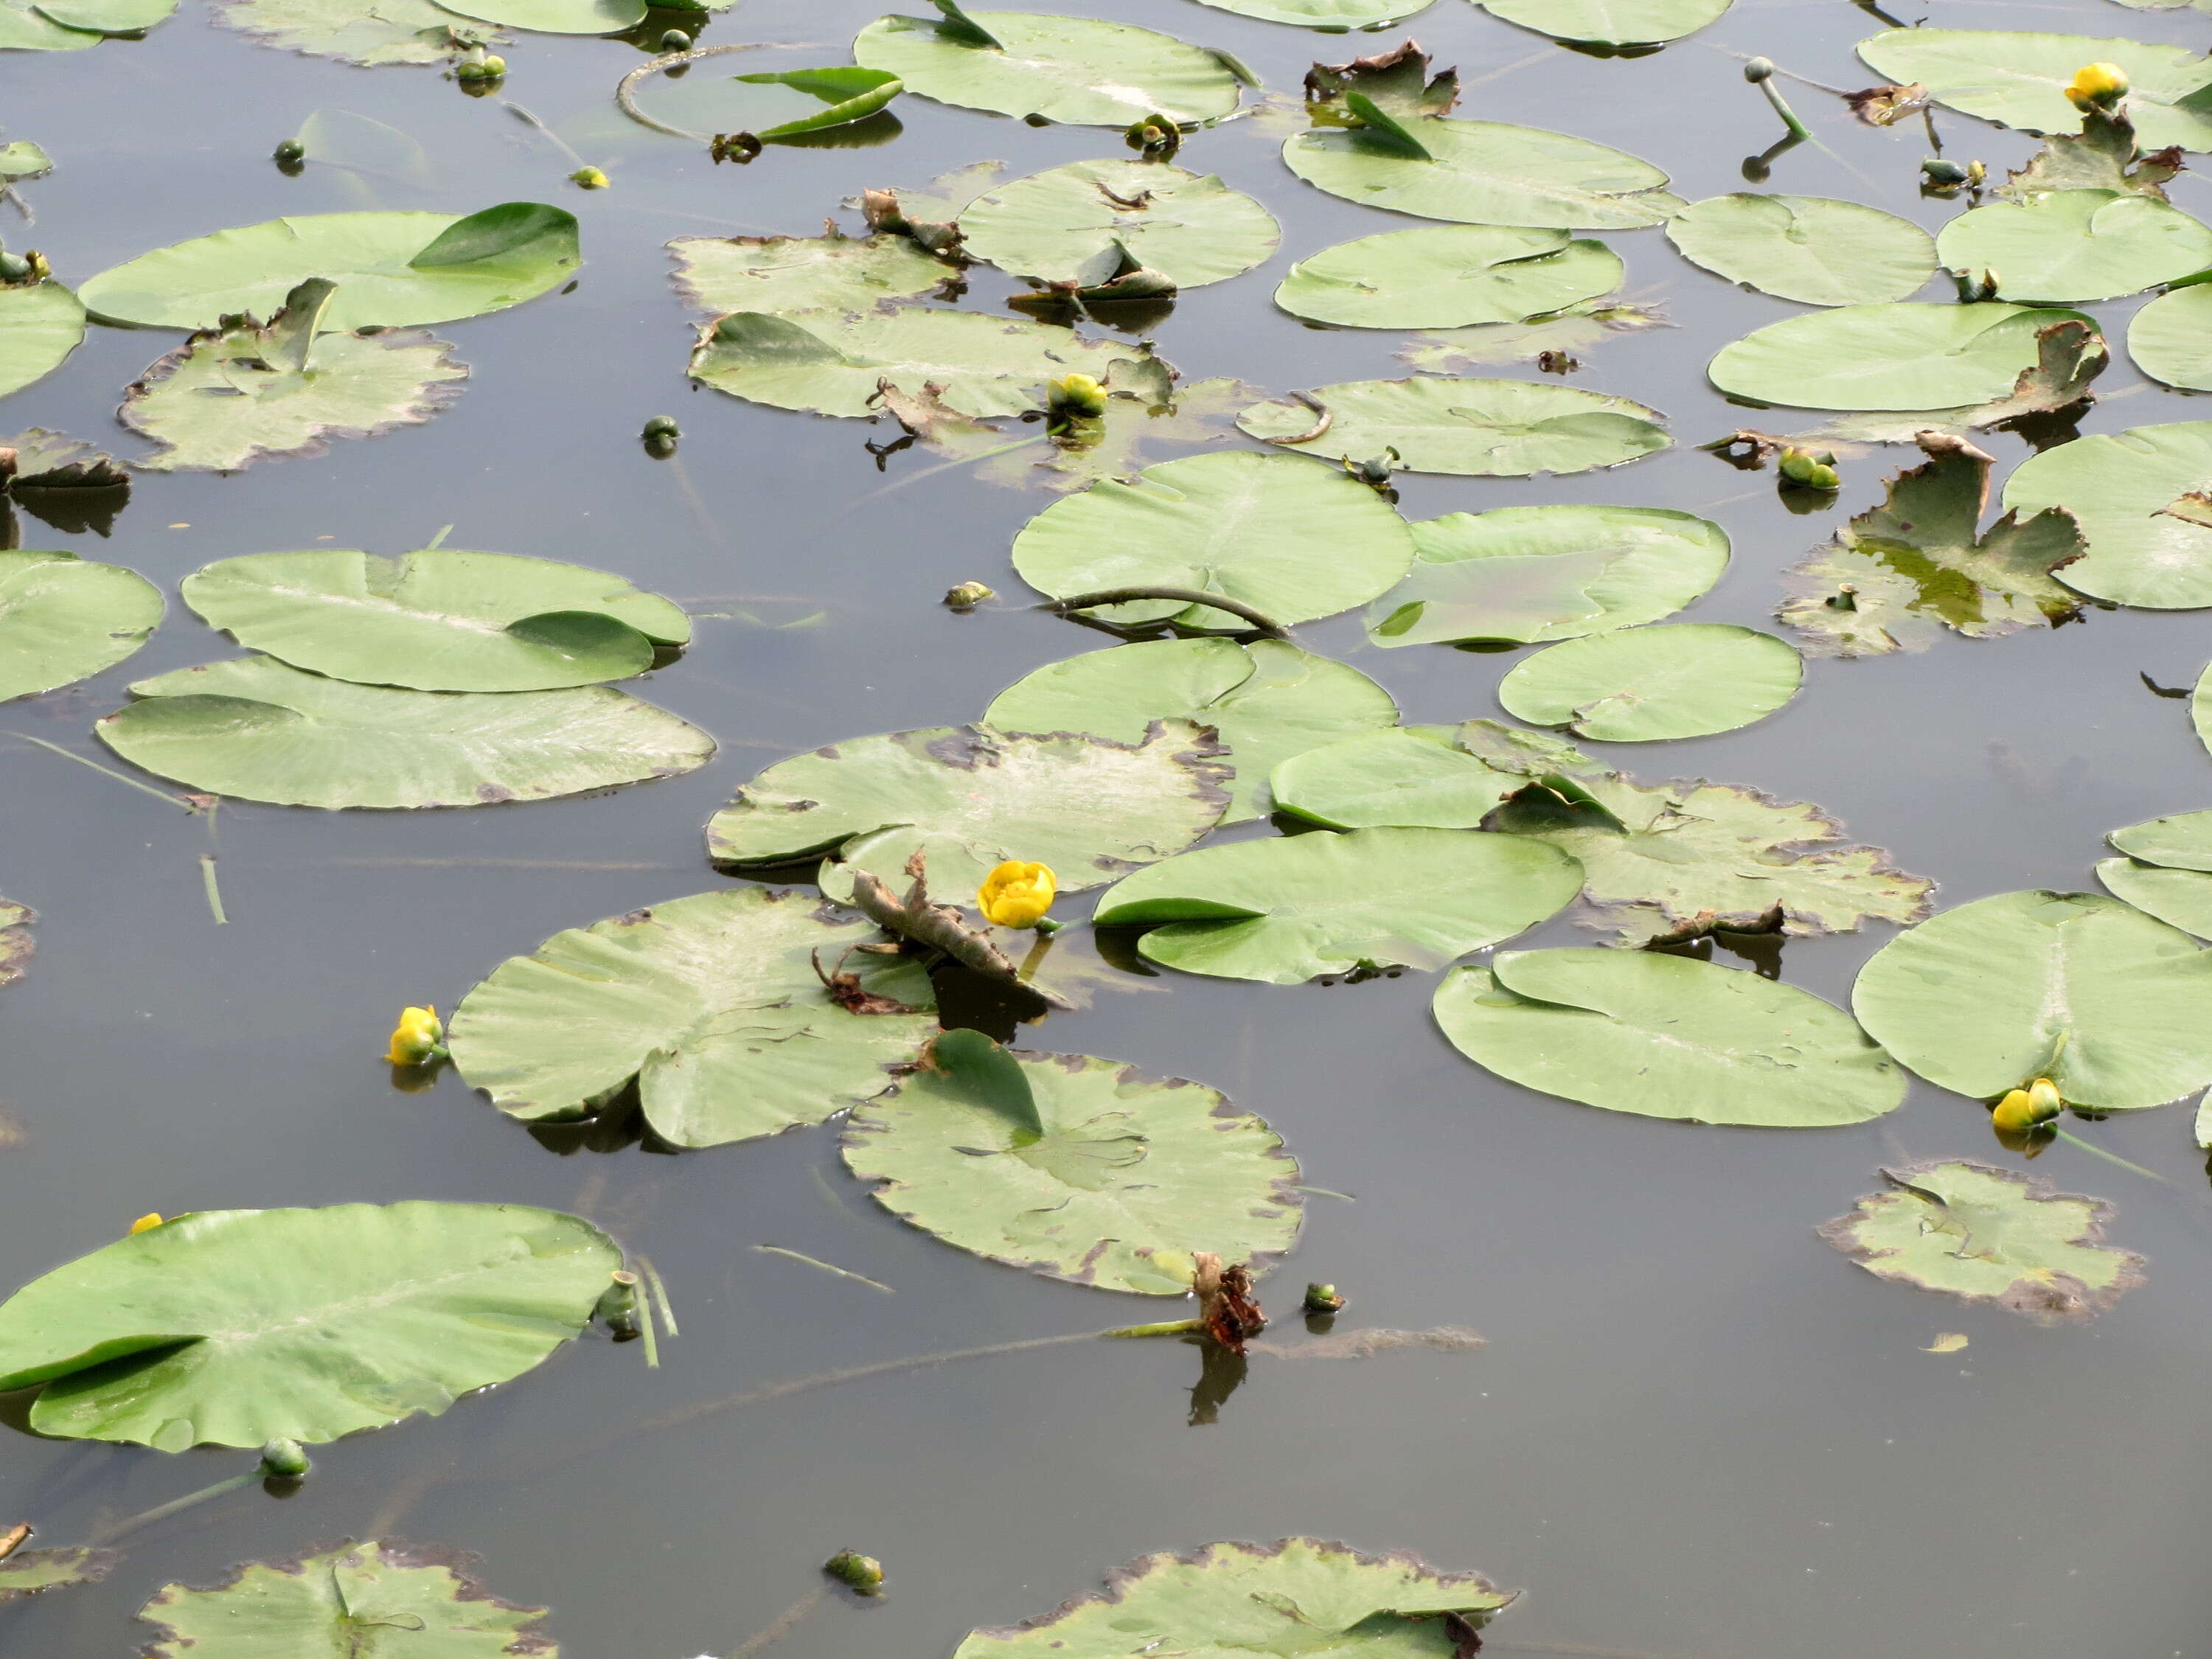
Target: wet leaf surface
x=718, y=274
x=1448, y=277
x=1080, y=222
x=1822, y=251
x=1479, y=427
x=2065, y=247
x=1932, y=357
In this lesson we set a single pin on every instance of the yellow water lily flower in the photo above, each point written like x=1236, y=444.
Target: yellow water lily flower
x=2097, y=86
x=1077, y=395
x=147, y=1223
x=1017, y=895
x=417, y=1039
x=2024, y=1110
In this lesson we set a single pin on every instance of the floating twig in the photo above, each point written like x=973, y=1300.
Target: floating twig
x=939, y=927
x=812, y=1261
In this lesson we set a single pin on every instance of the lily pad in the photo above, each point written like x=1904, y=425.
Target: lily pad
x=1121, y=1179
x=1899, y=575
x=20, y=159
x=438, y=620
x=1300, y=1595
x=15, y=943
x=1448, y=277
x=2113, y=1006
x=1578, y=328
x=719, y=274
x=709, y=1006
x=29, y=1572
x=1986, y=1235
x=831, y=362
x=1294, y=540
x=2070, y=246
x=1887, y=356
x=557, y=16
x=1268, y=701
x=1479, y=429
x=2123, y=489
x=406, y=1600
x=1200, y=414
x=1296, y=907
x=231, y=396
x=1610, y=22
x=1081, y=70
x=1528, y=575
x=254, y=728
x=1329, y=16
x=2103, y=156
x=1406, y=777
x=1811, y=248
x=390, y=32
x=972, y=797
x=106, y=16
x=1082, y=222
x=64, y=619
x=2180, y=898
x=2019, y=79
x=55, y=479
x=393, y=268
x=2171, y=338
x=1666, y=1037
x=40, y=324
x=24, y=28
x=1672, y=680
x=231, y=1328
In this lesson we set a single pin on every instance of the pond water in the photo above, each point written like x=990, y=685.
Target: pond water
x=1696, y=1432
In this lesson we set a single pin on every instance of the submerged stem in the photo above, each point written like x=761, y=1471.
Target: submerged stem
x=175, y=1506
x=105, y=771
x=783, y=1623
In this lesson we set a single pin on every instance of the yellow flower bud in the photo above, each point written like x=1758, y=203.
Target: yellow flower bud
x=2042, y=1099
x=417, y=1039
x=1076, y=397
x=2097, y=86
x=2024, y=1110
x=1017, y=895
x=147, y=1223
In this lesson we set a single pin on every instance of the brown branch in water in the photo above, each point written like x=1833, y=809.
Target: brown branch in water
x=12, y=1539
x=939, y=927
x=1261, y=621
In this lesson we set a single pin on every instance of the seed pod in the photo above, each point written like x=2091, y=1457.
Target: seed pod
x=291, y=150
x=676, y=40
x=968, y=596
x=661, y=426
x=660, y=448
x=1322, y=1299
x=1756, y=69
x=1809, y=471
x=616, y=1307
x=14, y=267
x=284, y=1459
x=862, y=1572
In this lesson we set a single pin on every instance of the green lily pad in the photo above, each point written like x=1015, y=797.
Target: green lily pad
x=106, y=16
x=1986, y=1235
x=2182, y=841
x=390, y=32
x=393, y=268
x=1810, y=248
x=1069, y=224
x=64, y=619
x=407, y=1600
x=2113, y=1006
x=29, y=1572
x=2019, y=80
x=20, y=159
x=1202, y=414
x=1081, y=70
x=231, y=1328
x=1672, y=680
x=1532, y=575
x=232, y=396
x=40, y=324
x=2171, y=338
x=971, y=797
x=2103, y=156
x=254, y=728
x=836, y=272
x=1899, y=575
x=2126, y=489
x=1666, y=1037
x=1293, y=908
x=1610, y=22
x=1479, y=429
x=1268, y=701
x=2180, y=898
x=24, y=28
x=557, y=16
x=1448, y=277
x=1294, y=540
x=1410, y=777
x=1887, y=356
x=1329, y=16
x=2070, y=246
x=831, y=362
x=710, y=1005
x=438, y=620
x=1300, y=1595
x=1578, y=328
x=1122, y=1178
x=64, y=484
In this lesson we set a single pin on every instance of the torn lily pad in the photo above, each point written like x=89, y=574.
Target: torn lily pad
x=1610, y=22
x=60, y=481
x=2129, y=491
x=2067, y=247
x=232, y=1327
x=15, y=943
x=1908, y=356
x=557, y=16
x=1899, y=575
x=2020, y=79
x=1528, y=575
x=2103, y=156
x=1668, y=680
x=389, y=32
x=1298, y=907
x=831, y=271
x=1196, y=414
x=1666, y=1037
x=1479, y=429
x=1083, y=222
x=233, y=395
x=255, y=729
x=710, y=1007
x=2113, y=1006
x=1809, y=248
x=40, y=324
x=64, y=619
x=1405, y=777
x=30, y=1572
x=1448, y=277
x=1077, y=1168
x=1987, y=1235
x=2171, y=338
x=969, y=797
x=1268, y=701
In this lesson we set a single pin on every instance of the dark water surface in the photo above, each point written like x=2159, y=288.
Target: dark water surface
x=1697, y=1432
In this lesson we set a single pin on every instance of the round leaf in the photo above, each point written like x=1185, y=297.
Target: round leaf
x=231, y=1328
x=2020, y=79
x=1481, y=428
x=2181, y=842
x=2180, y=898
x=1057, y=226
x=1610, y=22
x=1667, y=1037
x=2127, y=491
x=2067, y=245
x=40, y=324
x=23, y=27
x=1811, y=248
x=392, y=32
x=1885, y=357
x=557, y=16
x=1447, y=276
x=106, y=16
x=1293, y=908
x=1411, y=777
x=1676, y=680
x=1485, y=173
x=801, y=273
x=63, y=618
x=1329, y=16
x=2171, y=338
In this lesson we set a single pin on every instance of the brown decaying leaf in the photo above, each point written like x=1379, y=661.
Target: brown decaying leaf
x=940, y=927
x=16, y=942
x=844, y=991
x=1885, y=106
x=1226, y=1305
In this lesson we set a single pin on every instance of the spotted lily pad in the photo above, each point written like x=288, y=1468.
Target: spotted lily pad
x=1887, y=356
x=2019, y=79
x=1811, y=248
x=2129, y=491
x=2070, y=246
x=2171, y=338
x=1672, y=680
x=831, y=271
x=1448, y=277
x=1610, y=22
x=388, y=32
x=40, y=324
x=63, y=618
x=2103, y=156
x=1084, y=221
x=1481, y=428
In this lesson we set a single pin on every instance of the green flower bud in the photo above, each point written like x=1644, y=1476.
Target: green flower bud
x=862, y=1572
x=589, y=179
x=471, y=69
x=661, y=426
x=1810, y=471
x=1322, y=1299
x=494, y=66
x=284, y=1459
x=969, y=595
x=1756, y=69
x=616, y=1307
x=14, y=267
x=291, y=150
x=1937, y=170
x=1075, y=397
x=676, y=40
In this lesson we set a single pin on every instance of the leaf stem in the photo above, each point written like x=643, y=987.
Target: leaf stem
x=795, y=1256
x=1264, y=624
x=175, y=1506
x=659, y=1293
x=2095, y=1151
x=783, y=1623
x=106, y=771
x=213, y=892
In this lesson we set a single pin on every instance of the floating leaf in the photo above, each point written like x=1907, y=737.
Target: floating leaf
x=1124, y=1178
x=1887, y=356
x=557, y=16
x=25, y=27
x=231, y=1328
x=438, y=620
x=1610, y=22
x=1531, y=575
x=710, y=1005
x=1578, y=328
x=255, y=729
x=1202, y=412
x=409, y=1601
x=15, y=945
x=1296, y=907
x=1448, y=277
x=1824, y=252
x=1293, y=540
x=389, y=32
x=2122, y=487
x=393, y=268
x=1482, y=428
x=2113, y=1007
x=1329, y=16
x=64, y=619
x=1672, y=680
x=1406, y=777
x=40, y=324
x=834, y=271
x=1666, y=1037
x=2182, y=841
x=27, y=1572
x=2067, y=246
x=1072, y=223
x=2103, y=156
x=1267, y=700
x=108, y=16
x=2180, y=898
x=1986, y=1235
x=2171, y=338
x=1897, y=574
x=22, y=160
x=67, y=484
x=971, y=798
x=2020, y=80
